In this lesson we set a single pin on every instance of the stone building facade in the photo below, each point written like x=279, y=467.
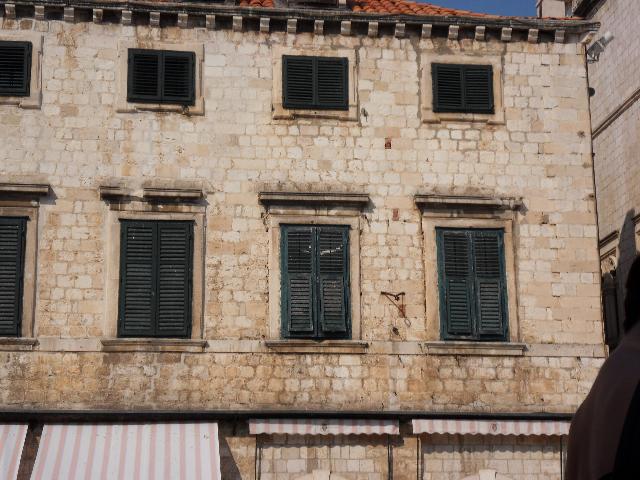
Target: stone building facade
x=614, y=113
x=81, y=159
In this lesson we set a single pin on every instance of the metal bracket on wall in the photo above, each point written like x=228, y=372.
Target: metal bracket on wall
x=397, y=299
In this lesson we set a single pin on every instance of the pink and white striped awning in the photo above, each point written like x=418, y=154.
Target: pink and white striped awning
x=492, y=427
x=128, y=451
x=11, y=443
x=323, y=427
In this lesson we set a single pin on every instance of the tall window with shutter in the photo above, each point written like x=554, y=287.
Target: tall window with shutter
x=15, y=69
x=319, y=83
x=462, y=88
x=161, y=76
x=12, y=241
x=156, y=262
x=315, y=282
x=472, y=282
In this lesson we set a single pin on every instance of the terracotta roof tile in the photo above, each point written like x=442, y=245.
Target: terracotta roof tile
x=256, y=3
x=405, y=7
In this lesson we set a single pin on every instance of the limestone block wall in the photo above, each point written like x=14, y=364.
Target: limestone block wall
x=78, y=140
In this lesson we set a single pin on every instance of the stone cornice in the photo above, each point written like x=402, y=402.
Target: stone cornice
x=225, y=16
x=449, y=202
x=306, y=198
x=26, y=190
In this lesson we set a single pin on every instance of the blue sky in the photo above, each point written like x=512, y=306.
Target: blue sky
x=499, y=7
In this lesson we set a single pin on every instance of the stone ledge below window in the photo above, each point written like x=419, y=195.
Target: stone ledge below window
x=8, y=344
x=489, y=349
x=153, y=345
x=311, y=346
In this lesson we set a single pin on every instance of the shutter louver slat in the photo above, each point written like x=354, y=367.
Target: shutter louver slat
x=447, y=88
x=15, y=68
x=144, y=76
x=137, y=282
x=332, y=83
x=298, y=273
x=174, y=278
x=297, y=81
x=489, y=285
x=178, y=77
x=457, y=272
x=332, y=274
x=11, y=272
x=478, y=84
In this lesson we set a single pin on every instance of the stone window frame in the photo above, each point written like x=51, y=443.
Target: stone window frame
x=315, y=209
x=279, y=112
x=34, y=100
x=124, y=106
x=22, y=200
x=463, y=58
x=469, y=213
x=123, y=207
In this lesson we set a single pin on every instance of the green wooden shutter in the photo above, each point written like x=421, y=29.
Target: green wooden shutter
x=447, y=87
x=489, y=283
x=144, y=76
x=297, y=81
x=178, y=85
x=137, y=278
x=332, y=87
x=478, y=88
x=333, y=279
x=297, y=251
x=456, y=283
x=174, y=279
x=15, y=68
x=12, y=241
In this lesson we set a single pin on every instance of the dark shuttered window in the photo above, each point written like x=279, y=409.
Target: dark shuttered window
x=473, y=303
x=161, y=76
x=315, y=282
x=12, y=239
x=462, y=88
x=15, y=69
x=315, y=82
x=155, y=279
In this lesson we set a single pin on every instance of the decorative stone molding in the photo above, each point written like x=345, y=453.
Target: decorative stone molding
x=154, y=19
x=124, y=106
x=559, y=36
x=400, y=30
x=481, y=33
x=183, y=20
x=210, y=22
x=237, y=23
x=318, y=27
x=345, y=28
x=97, y=15
x=358, y=200
x=126, y=17
x=426, y=95
x=454, y=32
x=462, y=202
x=533, y=35
x=281, y=113
x=310, y=346
x=175, y=194
x=292, y=26
x=20, y=344
x=485, y=349
x=34, y=100
x=152, y=345
x=426, y=31
x=32, y=191
x=372, y=29
x=505, y=34
x=10, y=11
x=265, y=24
x=69, y=14
x=39, y=12
x=112, y=192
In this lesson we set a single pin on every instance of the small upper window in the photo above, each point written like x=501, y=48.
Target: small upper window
x=15, y=69
x=161, y=76
x=462, y=88
x=320, y=83
x=473, y=298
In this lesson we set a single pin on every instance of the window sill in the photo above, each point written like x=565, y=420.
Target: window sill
x=153, y=345
x=133, y=107
x=311, y=346
x=17, y=344
x=281, y=113
x=429, y=116
x=488, y=349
